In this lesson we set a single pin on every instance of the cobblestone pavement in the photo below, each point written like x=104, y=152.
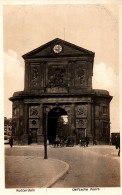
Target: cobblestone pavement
x=94, y=166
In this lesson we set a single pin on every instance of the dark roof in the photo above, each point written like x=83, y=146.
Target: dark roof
x=58, y=41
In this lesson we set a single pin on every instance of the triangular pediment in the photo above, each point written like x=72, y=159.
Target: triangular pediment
x=57, y=48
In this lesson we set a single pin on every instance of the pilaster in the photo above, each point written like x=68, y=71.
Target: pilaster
x=89, y=119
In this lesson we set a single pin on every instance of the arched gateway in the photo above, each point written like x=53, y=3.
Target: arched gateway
x=58, y=84
x=56, y=126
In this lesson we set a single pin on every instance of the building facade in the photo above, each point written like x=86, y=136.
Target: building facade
x=58, y=82
x=7, y=126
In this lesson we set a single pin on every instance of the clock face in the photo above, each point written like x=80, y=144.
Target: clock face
x=57, y=48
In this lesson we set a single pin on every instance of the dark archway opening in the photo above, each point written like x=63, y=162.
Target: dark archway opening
x=57, y=124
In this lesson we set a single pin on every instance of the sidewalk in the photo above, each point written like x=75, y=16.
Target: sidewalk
x=33, y=172
x=27, y=168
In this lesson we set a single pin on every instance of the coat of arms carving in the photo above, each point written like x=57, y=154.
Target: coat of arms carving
x=56, y=76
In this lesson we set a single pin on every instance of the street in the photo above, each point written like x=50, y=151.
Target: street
x=94, y=166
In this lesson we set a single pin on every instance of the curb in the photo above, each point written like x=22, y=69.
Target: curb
x=54, y=180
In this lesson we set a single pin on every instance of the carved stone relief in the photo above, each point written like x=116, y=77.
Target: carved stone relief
x=34, y=111
x=81, y=123
x=56, y=76
x=81, y=111
x=33, y=123
x=35, y=76
x=81, y=116
x=80, y=76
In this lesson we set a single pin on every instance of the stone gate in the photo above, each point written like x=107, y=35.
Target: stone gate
x=58, y=82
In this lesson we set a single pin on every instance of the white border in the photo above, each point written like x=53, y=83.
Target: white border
x=36, y=2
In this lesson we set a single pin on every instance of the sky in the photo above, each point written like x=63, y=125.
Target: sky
x=93, y=27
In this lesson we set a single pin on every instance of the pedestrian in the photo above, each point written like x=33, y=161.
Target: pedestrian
x=68, y=142
x=83, y=141
x=119, y=151
x=118, y=144
x=47, y=141
x=80, y=142
x=87, y=140
x=11, y=141
x=29, y=139
x=94, y=140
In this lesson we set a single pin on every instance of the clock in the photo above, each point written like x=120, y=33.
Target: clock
x=57, y=48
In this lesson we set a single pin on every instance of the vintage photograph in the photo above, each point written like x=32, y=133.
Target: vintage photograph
x=61, y=96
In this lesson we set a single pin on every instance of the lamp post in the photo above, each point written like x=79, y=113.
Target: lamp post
x=45, y=139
